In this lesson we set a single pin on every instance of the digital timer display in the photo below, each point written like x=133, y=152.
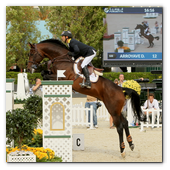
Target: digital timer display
x=139, y=29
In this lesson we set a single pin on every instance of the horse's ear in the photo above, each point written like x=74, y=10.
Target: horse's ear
x=31, y=45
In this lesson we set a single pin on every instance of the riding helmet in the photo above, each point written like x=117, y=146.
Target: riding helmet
x=66, y=33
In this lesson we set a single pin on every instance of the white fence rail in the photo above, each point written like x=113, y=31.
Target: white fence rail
x=153, y=118
x=80, y=116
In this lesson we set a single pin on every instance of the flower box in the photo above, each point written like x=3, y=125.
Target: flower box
x=21, y=156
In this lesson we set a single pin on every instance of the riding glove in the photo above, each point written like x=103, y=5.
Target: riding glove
x=70, y=53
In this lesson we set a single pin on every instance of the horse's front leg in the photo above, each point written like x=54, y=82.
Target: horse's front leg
x=50, y=77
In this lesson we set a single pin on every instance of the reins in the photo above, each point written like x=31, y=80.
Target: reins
x=54, y=60
x=62, y=60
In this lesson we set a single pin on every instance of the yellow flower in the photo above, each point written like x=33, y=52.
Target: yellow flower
x=39, y=152
x=40, y=131
x=132, y=85
x=49, y=150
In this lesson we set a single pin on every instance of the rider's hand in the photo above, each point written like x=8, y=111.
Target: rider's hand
x=70, y=53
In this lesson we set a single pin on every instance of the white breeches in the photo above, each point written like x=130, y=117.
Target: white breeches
x=146, y=30
x=88, y=59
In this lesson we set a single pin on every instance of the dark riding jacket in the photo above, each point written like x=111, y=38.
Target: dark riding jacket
x=145, y=26
x=79, y=49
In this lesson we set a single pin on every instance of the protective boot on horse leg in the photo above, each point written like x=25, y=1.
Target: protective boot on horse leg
x=126, y=128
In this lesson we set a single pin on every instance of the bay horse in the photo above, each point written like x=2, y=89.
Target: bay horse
x=104, y=89
x=150, y=37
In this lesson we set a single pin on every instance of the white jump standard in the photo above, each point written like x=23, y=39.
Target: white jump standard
x=9, y=94
x=57, y=118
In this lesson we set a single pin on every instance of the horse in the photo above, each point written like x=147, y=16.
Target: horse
x=150, y=37
x=104, y=89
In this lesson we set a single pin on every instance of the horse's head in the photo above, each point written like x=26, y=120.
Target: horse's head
x=139, y=26
x=34, y=58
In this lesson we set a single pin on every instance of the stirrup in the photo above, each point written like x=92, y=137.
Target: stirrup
x=83, y=85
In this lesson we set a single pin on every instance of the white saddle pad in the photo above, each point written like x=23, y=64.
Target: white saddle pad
x=93, y=77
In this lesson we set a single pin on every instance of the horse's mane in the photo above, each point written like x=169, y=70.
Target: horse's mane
x=140, y=25
x=54, y=41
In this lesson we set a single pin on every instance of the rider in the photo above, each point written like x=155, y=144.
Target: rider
x=77, y=49
x=146, y=27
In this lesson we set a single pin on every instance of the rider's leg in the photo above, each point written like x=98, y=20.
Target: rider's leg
x=88, y=59
x=85, y=71
x=86, y=74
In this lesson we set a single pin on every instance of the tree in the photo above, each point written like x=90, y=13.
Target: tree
x=85, y=23
x=43, y=12
x=20, y=124
x=20, y=29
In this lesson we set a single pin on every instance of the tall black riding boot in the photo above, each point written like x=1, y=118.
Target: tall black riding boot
x=85, y=71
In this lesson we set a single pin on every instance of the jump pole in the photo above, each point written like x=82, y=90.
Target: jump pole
x=9, y=94
x=57, y=118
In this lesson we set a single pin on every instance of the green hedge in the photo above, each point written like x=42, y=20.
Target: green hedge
x=131, y=76
x=31, y=77
x=110, y=75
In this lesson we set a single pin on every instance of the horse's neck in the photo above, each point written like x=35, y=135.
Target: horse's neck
x=53, y=52
x=142, y=31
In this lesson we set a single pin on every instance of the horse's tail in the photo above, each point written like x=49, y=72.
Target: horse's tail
x=135, y=101
x=157, y=37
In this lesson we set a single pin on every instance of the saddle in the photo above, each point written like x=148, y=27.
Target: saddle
x=90, y=67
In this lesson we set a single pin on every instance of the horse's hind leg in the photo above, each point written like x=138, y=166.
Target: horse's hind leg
x=152, y=44
x=129, y=138
x=119, y=127
x=149, y=44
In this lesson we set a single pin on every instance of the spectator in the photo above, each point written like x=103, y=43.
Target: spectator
x=116, y=81
x=92, y=101
x=112, y=126
x=37, y=89
x=121, y=80
x=156, y=26
x=151, y=103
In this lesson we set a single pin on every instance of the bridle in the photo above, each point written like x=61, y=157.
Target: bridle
x=35, y=64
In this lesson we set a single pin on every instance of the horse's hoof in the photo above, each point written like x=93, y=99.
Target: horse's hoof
x=123, y=154
x=132, y=147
